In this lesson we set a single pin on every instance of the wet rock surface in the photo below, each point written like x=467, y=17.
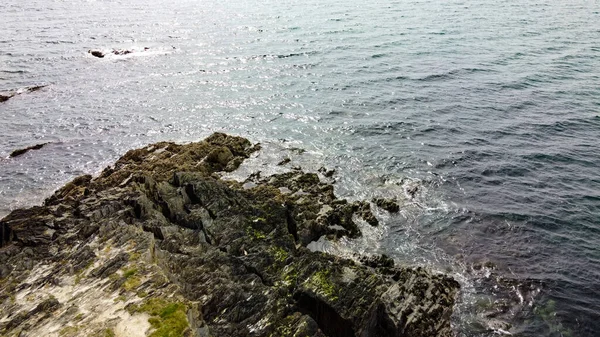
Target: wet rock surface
x=20, y=152
x=160, y=244
x=389, y=205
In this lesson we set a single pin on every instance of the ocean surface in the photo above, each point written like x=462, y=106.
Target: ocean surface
x=482, y=117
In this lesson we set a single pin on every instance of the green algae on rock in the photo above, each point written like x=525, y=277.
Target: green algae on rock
x=159, y=245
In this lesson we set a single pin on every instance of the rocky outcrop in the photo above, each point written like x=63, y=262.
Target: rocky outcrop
x=159, y=245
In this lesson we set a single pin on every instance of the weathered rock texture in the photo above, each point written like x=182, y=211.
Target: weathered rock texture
x=158, y=245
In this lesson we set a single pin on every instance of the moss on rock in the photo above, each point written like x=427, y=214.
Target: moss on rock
x=168, y=318
x=321, y=283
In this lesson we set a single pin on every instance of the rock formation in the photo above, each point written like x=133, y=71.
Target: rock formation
x=159, y=245
x=22, y=151
x=6, y=96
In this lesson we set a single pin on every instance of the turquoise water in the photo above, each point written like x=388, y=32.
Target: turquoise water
x=488, y=109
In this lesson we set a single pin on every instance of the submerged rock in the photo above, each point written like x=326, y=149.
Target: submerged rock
x=158, y=243
x=6, y=96
x=101, y=54
x=327, y=173
x=284, y=161
x=389, y=205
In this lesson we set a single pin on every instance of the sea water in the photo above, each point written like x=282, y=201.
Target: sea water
x=481, y=117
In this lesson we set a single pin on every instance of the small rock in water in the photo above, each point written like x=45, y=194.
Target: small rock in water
x=297, y=150
x=96, y=53
x=35, y=88
x=6, y=97
x=389, y=205
x=121, y=51
x=499, y=326
x=100, y=54
x=327, y=173
x=484, y=264
x=19, y=152
x=412, y=191
x=363, y=209
x=284, y=161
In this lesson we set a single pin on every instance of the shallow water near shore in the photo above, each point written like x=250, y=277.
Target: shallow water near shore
x=481, y=117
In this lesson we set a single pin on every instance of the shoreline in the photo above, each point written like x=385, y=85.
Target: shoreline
x=160, y=231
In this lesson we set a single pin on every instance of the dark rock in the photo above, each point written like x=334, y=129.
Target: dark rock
x=122, y=51
x=403, y=315
x=412, y=191
x=327, y=173
x=363, y=209
x=378, y=261
x=46, y=307
x=96, y=53
x=297, y=150
x=284, y=161
x=29, y=227
x=237, y=254
x=389, y=205
x=220, y=157
x=101, y=54
x=20, y=152
x=82, y=258
x=75, y=189
x=6, y=97
x=35, y=88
